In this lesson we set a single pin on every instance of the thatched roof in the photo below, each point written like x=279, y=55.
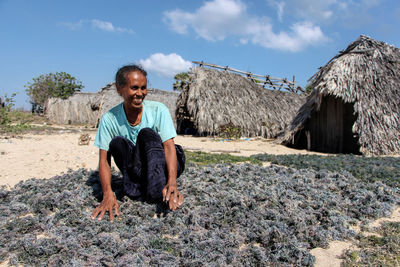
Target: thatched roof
x=81, y=108
x=87, y=108
x=110, y=98
x=216, y=98
x=366, y=74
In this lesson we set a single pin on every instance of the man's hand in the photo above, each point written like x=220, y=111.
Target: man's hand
x=170, y=192
x=172, y=196
x=109, y=203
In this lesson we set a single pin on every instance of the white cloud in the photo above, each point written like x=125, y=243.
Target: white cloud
x=301, y=35
x=73, y=25
x=108, y=26
x=174, y=18
x=218, y=19
x=215, y=20
x=96, y=24
x=280, y=6
x=370, y=3
x=165, y=65
x=312, y=10
x=318, y=11
x=103, y=25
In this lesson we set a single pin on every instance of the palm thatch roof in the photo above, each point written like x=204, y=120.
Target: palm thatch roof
x=87, y=108
x=80, y=108
x=216, y=98
x=366, y=75
x=110, y=98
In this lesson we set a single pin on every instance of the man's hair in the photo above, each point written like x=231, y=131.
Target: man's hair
x=120, y=80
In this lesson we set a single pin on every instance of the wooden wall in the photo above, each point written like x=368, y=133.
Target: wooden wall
x=330, y=129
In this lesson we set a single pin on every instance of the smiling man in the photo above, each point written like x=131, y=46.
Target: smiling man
x=139, y=135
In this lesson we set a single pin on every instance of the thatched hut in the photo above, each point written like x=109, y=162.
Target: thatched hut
x=110, y=98
x=213, y=99
x=82, y=108
x=355, y=104
x=87, y=108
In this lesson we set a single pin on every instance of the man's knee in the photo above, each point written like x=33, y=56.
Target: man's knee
x=116, y=143
x=120, y=148
x=148, y=134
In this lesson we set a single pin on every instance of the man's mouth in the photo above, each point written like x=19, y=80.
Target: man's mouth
x=137, y=100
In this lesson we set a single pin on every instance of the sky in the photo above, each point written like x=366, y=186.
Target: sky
x=91, y=39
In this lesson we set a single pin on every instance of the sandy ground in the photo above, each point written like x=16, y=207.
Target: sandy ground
x=47, y=155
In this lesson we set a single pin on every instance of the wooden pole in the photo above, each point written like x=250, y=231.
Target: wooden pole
x=272, y=82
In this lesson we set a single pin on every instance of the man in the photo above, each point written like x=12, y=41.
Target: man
x=139, y=136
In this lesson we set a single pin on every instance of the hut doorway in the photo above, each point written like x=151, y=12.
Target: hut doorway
x=330, y=129
x=186, y=126
x=185, y=122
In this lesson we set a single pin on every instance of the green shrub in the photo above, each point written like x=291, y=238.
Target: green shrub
x=11, y=121
x=59, y=84
x=229, y=131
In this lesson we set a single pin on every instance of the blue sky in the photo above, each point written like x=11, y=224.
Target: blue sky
x=92, y=39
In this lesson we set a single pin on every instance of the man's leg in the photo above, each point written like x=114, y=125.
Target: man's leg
x=180, y=155
x=122, y=150
x=150, y=150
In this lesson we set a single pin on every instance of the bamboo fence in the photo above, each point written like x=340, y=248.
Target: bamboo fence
x=267, y=81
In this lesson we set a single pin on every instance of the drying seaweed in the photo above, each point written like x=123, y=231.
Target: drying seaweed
x=369, y=169
x=203, y=158
x=233, y=215
x=382, y=249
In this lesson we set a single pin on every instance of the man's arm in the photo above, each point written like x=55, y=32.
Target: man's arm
x=170, y=191
x=109, y=201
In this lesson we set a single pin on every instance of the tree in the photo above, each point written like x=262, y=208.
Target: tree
x=309, y=89
x=6, y=105
x=59, y=84
x=181, y=80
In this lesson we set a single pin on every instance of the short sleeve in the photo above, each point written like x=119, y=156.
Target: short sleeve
x=165, y=126
x=103, y=136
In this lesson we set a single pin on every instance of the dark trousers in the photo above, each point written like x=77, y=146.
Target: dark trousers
x=143, y=166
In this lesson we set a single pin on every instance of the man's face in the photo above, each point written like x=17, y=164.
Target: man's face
x=135, y=90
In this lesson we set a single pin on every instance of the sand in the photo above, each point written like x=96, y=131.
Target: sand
x=44, y=156
x=48, y=155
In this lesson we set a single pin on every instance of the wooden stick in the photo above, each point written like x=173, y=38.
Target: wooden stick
x=243, y=72
x=273, y=83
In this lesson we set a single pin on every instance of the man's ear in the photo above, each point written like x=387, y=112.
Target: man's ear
x=118, y=89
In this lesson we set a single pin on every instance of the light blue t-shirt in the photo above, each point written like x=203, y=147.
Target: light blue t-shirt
x=114, y=123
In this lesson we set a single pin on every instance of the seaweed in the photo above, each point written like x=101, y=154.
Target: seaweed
x=234, y=214
x=382, y=249
x=203, y=158
x=369, y=169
